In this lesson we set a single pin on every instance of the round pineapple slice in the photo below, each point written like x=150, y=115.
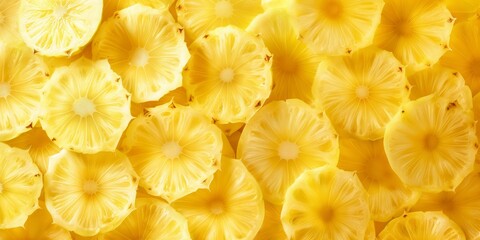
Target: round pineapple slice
x=463, y=9
x=294, y=65
x=232, y=208
x=9, y=20
x=462, y=205
x=146, y=47
x=59, y=27
x=388, y=196
x=336, y=27
x=417, y=32
x=229, y=75
x=326, y=203
x=362, y=92
x=272, y=228
x=39, y=225
x=85, y=107
x=152, y=219
x=178, y=96
x=431, y=144
x=39, y=146
x=281, y=141
x=422, y=225
x=20, y=186
x=175, y=150
x=442, y=81
x=21, y=80
x=88, y=194
x=465, y=54
x=201, y=16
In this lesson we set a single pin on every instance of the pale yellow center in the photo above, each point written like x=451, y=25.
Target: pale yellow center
x=288, y=150
x=224, y=9
x=332, y=8
x=227, y=75
x=83, y=107
x=139, y=57
x=431, y=142
x=217, y=206
x=362, y=92
x=4, y=89
x=171, y=149
x=90, y=187
x=59, y=12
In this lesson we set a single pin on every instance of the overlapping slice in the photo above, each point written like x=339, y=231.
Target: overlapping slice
x=201, y=16
x=462, y=205
x=20, y=186
x=326, y=203
x=111, y=6
x=146, y=47
x=152, y=219
x=294, y=65
x=417, y=32
x=336, y=27
x=388, y=196
x=361, y=93
x=272, y=228
x=85, y=107
x=441, y=81
x=39, y=225
x=178, y=96
x=58, y=27
x=175, y=150
x=282, y=140
x=9, y=20
x=431, y=144
x=232, y=208
x=89, y=194
x=465, y=54
x=22, y=77
x=229, y=76
x=422, y=225
x=463, y=9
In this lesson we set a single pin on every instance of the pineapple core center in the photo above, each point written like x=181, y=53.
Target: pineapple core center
x=227, y=75
x=362, y=92
x=332, y=8
x=90, y=187
x=288, y=150
x=224, y=9
x=404, y=28
x=84, y=107
x=139, y=57
x=431, y=141
x=475, y=67
x=171, y=149
x=4, y=89
x=285, y=64
x=326, y=214
x=59, y=12
x=217, y=206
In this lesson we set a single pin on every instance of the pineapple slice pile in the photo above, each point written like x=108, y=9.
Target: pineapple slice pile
x=239, y=119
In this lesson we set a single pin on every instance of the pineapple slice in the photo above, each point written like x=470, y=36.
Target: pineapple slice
x=362, y=92
x=462, y=205
x=91, y=193
x=442, y=81
x=21, y=81
x=178, y=96
x=39, y=146
x=336, y=27
x=39, y=225
x=152, y=219
x=59, y=27
x=111, y=6
x=463, y=9
x=388, y=197
x=422, y=225
x=326, y=203
x=294, y=65
x=272, y=228
x=270, y=4
x=431, y=144
x=281, y=141
x=201, y=16
x=175, y=150
x=85, y=107
x=417, y=32
x=146, y=47
x=465, y=54
x=476, y=112
x=229, y=75
x=231, y=209
x=9, y=20
x=20, y=186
